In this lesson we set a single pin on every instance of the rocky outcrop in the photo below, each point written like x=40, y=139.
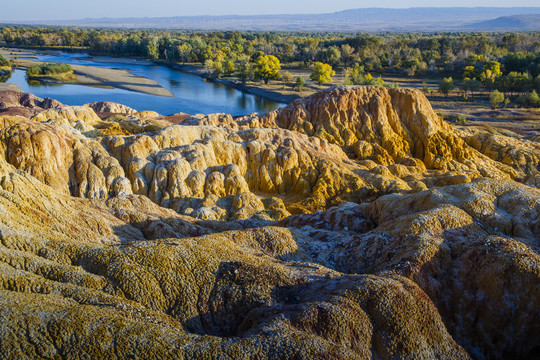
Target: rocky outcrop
x=61, y=158
x=172, y=293
x=521, y=154
x=470, y=247
x=72, y=114
x=20, y=103
x=179, y=165
x=10, y=98
x=386, y=126
x=110, y=107
x=352, y=224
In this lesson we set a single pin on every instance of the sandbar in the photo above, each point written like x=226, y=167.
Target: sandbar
x=103, y=77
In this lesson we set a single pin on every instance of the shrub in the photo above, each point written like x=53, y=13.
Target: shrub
x=461, y=120
x=533, y=98
x=496, y=98
x=49, y=69
x=287, y=76
x=300, y=82
x=529, y=99
x=521, y=100
x=446, y=85
x=4, y=62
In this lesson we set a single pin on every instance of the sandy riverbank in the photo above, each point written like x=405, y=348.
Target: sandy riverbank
x=123, y=79
x=103, y=77
x=9, y=53
x=120, y=79
x=119, y=60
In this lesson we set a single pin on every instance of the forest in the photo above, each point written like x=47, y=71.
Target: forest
x=506, y=62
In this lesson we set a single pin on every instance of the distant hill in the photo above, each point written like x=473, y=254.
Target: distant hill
x=515, y=22
x=370, y=19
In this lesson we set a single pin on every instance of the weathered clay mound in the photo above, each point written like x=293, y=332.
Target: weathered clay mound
x=383, y=125
x=61, y=158
x=521, y=154
x=110, y=107
x=13, y=102
x=407, y=239
x=145, y=297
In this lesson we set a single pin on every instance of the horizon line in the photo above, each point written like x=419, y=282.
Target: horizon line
x=14, y=22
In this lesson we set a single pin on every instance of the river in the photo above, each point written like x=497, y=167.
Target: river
x=192, y=94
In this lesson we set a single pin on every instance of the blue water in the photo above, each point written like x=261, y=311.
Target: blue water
x=192, y=94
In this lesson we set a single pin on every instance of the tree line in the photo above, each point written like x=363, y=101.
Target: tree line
x=506, y=62
x=410, y=54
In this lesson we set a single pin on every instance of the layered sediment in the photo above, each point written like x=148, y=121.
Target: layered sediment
x=351, y=224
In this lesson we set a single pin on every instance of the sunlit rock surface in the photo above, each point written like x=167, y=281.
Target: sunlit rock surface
x=352, y=224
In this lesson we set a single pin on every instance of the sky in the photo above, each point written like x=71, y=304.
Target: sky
x=72, y=9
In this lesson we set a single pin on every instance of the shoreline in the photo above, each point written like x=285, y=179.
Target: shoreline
x=108, y=78
x=101, y=77
x=121, y=79
x=253, y=90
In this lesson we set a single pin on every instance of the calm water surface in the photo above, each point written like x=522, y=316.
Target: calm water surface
x=192, y=94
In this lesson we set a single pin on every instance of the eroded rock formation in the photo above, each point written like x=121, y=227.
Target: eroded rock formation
x=19, y=103
x=353, y=224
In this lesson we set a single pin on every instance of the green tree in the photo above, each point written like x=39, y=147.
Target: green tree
x=267, y=68
x=256, y=55
x=470, y=73
x=49, y=69
x=244, y=68
x=446, y=85
x=207, y=54
x=300, y=82
x=152, y=51
x=184, y=52
x=5, y=69
x=515, y=82
x=357, y=74
x=346, y=53
x=368, y=79
x=470, y=85
x=533, y=98
x=496, y=98
x=238, y=49
x=332, y=55
x=322, y=73
x=4, y=62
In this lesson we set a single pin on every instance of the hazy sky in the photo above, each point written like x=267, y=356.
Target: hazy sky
x=73, y=9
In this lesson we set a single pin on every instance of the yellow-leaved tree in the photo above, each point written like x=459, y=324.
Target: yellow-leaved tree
x=267, y=68
x=322, y=73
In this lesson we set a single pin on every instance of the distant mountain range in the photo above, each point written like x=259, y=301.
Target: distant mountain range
x=515, y=22
x=370, y=19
